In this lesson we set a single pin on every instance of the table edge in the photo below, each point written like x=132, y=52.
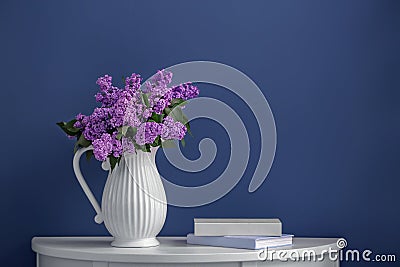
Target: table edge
x=241, y=255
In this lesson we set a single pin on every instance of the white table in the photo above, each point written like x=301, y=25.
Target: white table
x=173, y=251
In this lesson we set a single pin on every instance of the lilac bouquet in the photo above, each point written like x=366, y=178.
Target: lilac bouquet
x=132, y=118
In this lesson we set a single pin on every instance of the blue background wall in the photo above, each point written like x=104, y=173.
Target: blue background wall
x=330, y=70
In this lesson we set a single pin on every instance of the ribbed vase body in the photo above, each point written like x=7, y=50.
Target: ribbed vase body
x=134, y=204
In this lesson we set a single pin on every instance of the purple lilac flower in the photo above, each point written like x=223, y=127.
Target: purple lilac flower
x=159, y=81
x=119, y=109
x=158, y=86
x=107, y=145
x=184, y=91
x=107, y=99
x=124, y=107
x=148, y=132
x=128, y=145
x=133, y=82
x=161, y=96
x=147, y=113
x=117, y=146
x=134, y=114
x=102, y=147
x=97, y=124
x=160, y=106
x=81, y=121
x=172, y=129
x=108, y=94
x=104, y=82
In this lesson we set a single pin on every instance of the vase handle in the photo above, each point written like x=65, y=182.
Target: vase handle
x=99, y=217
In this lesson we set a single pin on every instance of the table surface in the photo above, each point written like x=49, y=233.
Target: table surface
x=171, y=250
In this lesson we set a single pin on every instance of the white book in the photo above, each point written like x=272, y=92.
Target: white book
x=250, y=227
x=246, y=242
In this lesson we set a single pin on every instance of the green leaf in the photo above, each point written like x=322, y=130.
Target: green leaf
x=168, y=144
x=131, y=132
x=188, y=128
x=124, y=129
x=157, y=117
x=113, y=161
x=156, y=142
x=70, y=124
x=167, y=111
x=178, y=115
x=147, y=146
x=61, y=124
x=177, y=101
x=68, y=127
x=138, y=147
x=185, y=119
x=83, y=142
x=183, y=142
x=76, y=147
x=89, y=154
x=146, y=100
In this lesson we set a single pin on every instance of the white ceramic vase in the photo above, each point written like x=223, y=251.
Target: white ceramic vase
x=134, y=205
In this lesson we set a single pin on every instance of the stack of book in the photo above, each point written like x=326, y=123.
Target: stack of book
x=239, y=233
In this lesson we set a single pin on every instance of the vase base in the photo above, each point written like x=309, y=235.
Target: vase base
x=136, y=243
